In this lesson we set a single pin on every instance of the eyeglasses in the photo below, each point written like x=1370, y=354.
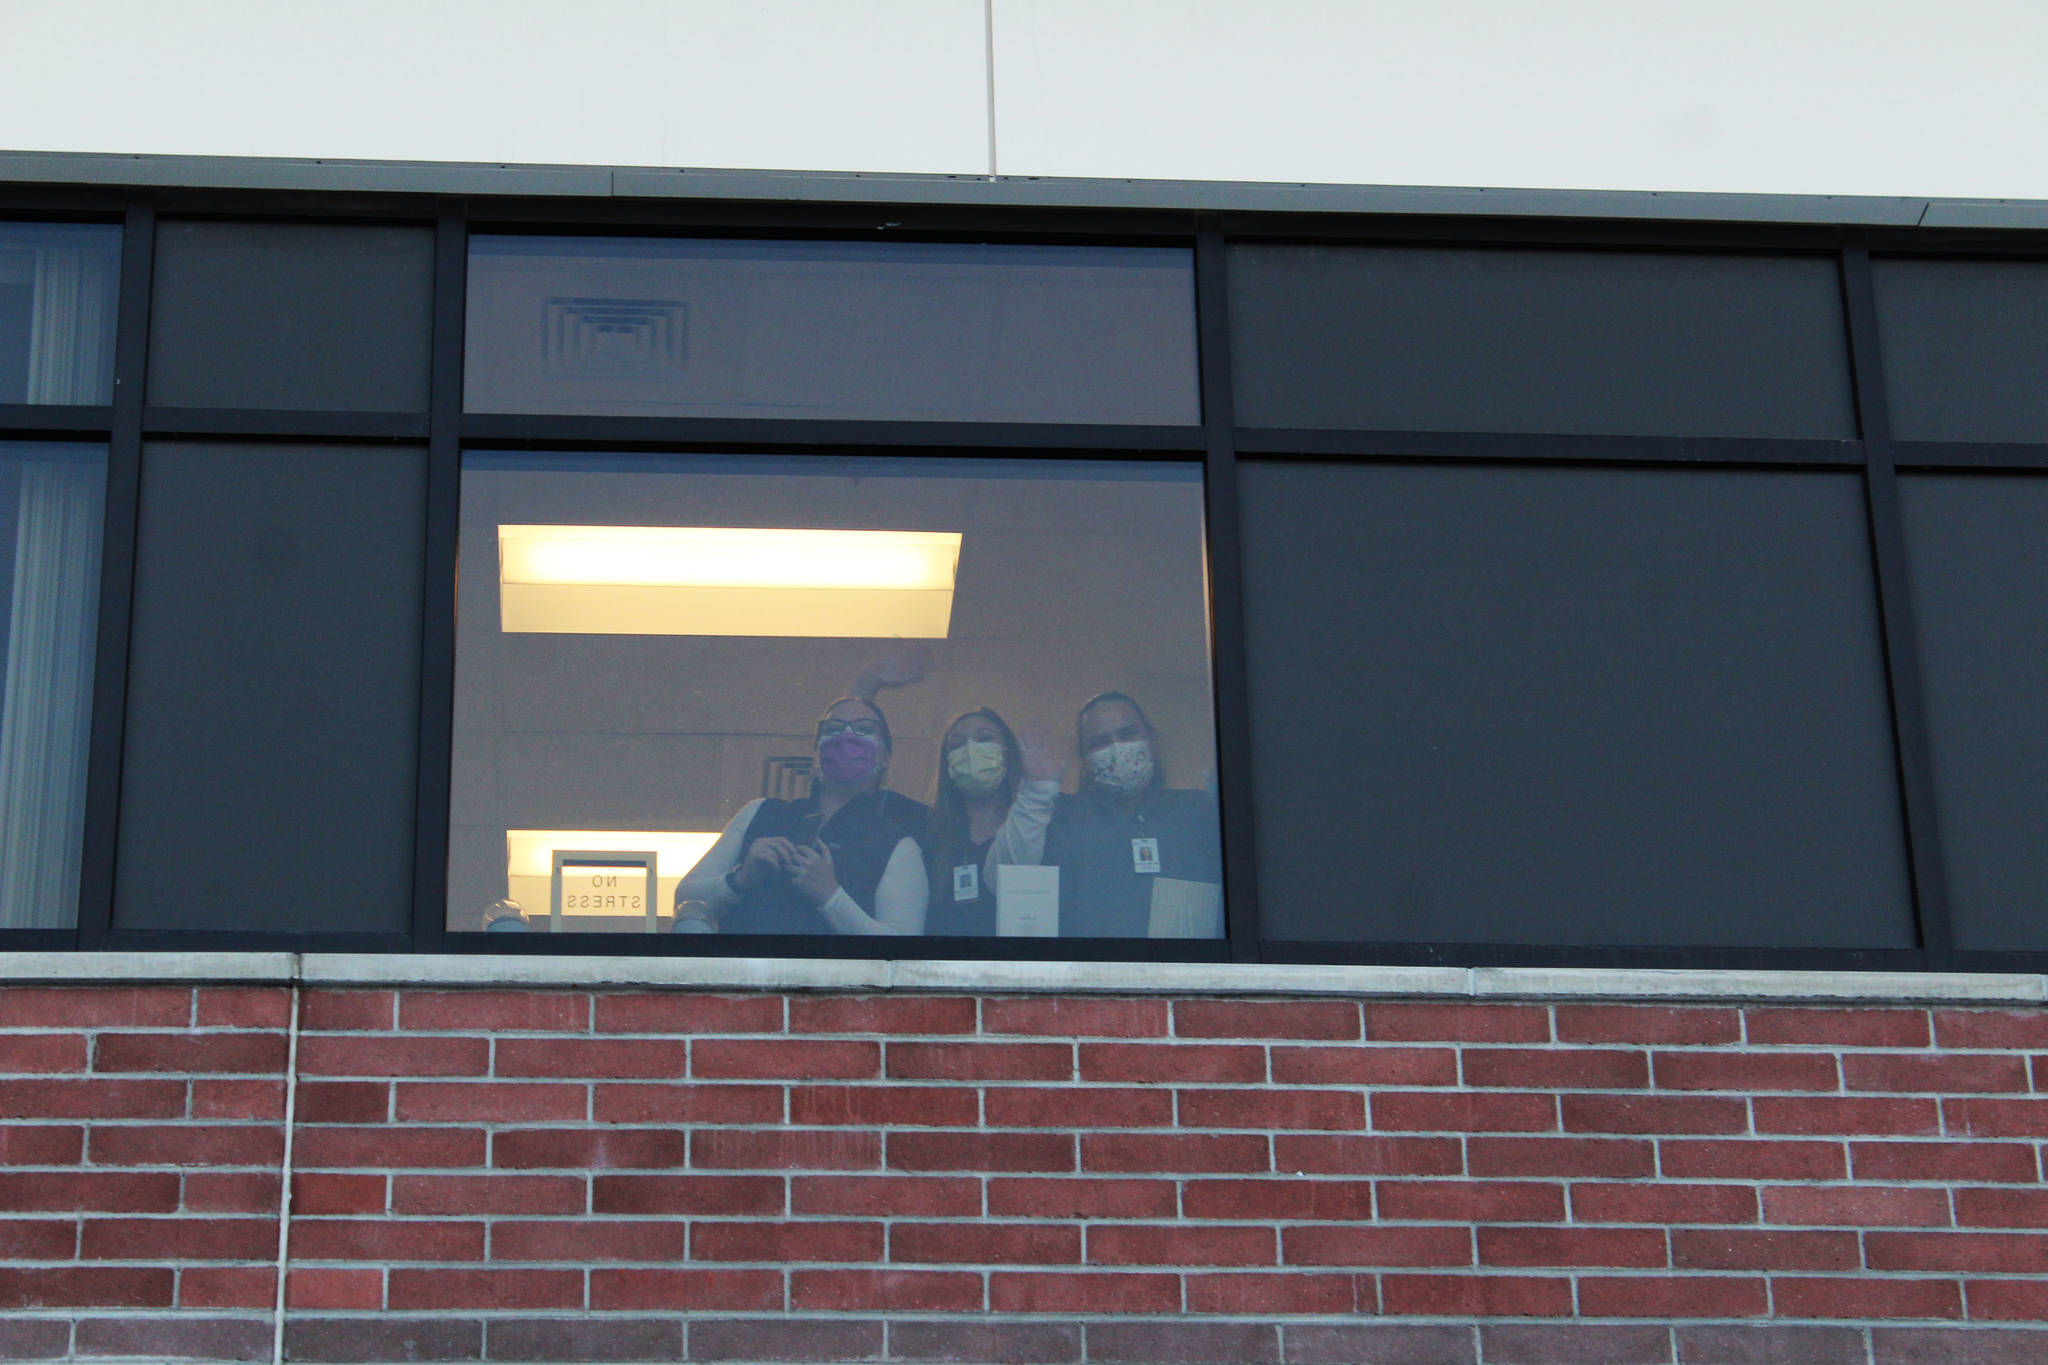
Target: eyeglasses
x=866, y=729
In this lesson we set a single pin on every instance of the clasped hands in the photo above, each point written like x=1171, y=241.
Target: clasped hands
x=807, y=867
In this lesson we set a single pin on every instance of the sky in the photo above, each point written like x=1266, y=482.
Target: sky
x=1801, y=96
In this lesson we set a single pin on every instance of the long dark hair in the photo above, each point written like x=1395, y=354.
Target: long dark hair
x=1081, y=740
x=949, y=828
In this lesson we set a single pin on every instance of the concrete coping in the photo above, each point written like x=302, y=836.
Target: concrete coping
x=1093, y=978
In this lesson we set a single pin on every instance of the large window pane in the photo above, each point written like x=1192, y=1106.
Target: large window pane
x=51, y=499
x=271, y=753
x=906, y=331
x=648, y=652
x=1597, y=342
x=1965, y=344
x=1977, y=548
x=57, y=301
x=1568, y=706
x=314, y=316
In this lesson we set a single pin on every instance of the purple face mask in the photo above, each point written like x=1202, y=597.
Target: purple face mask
x=847, y=759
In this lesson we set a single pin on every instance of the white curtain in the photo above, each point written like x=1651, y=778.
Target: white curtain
x=45, y=708
x=71, y=334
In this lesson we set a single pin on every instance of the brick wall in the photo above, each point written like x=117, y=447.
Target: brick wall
x=554, y=1175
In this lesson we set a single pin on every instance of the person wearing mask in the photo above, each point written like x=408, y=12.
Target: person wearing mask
x=844, y=860
x=991, y=786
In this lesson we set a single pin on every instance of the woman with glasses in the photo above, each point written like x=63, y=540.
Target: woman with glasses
x=844, y=860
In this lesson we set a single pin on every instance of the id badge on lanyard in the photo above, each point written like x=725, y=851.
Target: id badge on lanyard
x=967, y=882
x=1144, y=855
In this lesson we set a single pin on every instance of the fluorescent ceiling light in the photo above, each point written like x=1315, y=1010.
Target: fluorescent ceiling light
x=724, y=580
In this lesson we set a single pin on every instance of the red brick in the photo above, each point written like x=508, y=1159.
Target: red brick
x=231, y=1192
x=1654, y=1114
x=1572, y=1156
x=887, y=1196
x=489, y=1101
x=317, y=1148
x=1403, y=1066
x=2002, y=1208
x=1185, y=1343
x=981, y=1152
x=65, y=1191
x=85, y=1286
x=1865, y=1296
x=1951, y=1073
x=343, y=1101
x=473, y=1194
x=1333, y=1020
x=2003, y=1300
x=781, y=1243
x=1996, y=1118
x=589, y=1148
x=95, y=1007
x=1067, y=1291
x=1856, y=1026
x=1181, y=1244
x=1147, y=1153
x=914, y=1291
x=872, y=1014
x=980, y=1061
x=1471, y=1201
x=1745, y=1071
x=686, y=1015
x=334, y=1288
x=1992, y=1028
x=179, y=1336
x=38, y=1239
x=337, y=1194
x=381, y=1240
x=1766, y=1343
x=785, y=1149
x=1648, y=1025
x=574, y=1239
x=619, y=1290
x=884, y=1105
x=1756, y=1249
x=1007, y=1343
x=1376, y=1246
x=1347, y=1155
x=41, y=1145
x=686, y=1102
x=382, y=1338
x=1582, y=1343
x=1286, y=1197
x=225, y=1286
x=1989, y=1162
x=376, y=1056
x=1525, y=1296
x=691, y=1194
x=1672, y=1296
x=1265, y=1110
x=1283, y=1293
x=494, y=1012
x=2009, y=1253
x=1172, y=1063
x=92, y=1099
x=347, y=1011
x=229, y=1053
x=1636, y=1248
x=1633, y=1202
x=23, y=1054
x=1381, y=1343
x=178, y=1239
x=984, y=1244
x=261, y=1007
x=524, y=1287
x=1072, y=1018
x=594, y=1058
x=1439, y=1111
x=1030, y=1197
x=1076, y=1107
x=1850, y=1115
x=238, y=1100
x=186, y=1144
x=1873, y=1206
x=780, y=1339
x=804, y=1059
x=1419, y=1023
x=1556, y=1068
x=1759, y=1159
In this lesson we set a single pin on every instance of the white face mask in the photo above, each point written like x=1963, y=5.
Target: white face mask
x=1123, y=768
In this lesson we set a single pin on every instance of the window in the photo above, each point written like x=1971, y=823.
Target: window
x=57, y=296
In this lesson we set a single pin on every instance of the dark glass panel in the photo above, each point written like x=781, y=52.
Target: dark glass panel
x=1965, y=348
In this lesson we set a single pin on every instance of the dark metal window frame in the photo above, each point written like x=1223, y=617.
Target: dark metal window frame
x=1217, y=442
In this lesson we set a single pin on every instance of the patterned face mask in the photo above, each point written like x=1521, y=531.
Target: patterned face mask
x=976, y=767
x=1123, y=768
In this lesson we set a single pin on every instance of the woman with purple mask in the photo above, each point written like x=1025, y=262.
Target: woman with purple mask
x=844, y=860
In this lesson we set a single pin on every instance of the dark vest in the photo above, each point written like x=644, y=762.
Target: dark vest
x=862, y=835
